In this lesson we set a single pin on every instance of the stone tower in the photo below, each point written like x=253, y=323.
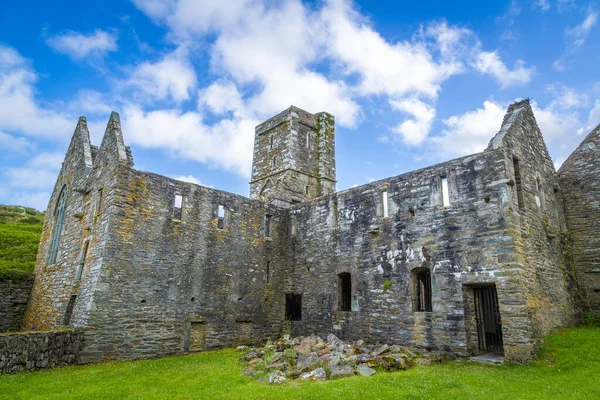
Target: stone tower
x=294, y=157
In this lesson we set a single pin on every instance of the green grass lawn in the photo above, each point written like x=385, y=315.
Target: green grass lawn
x=20, y=230
x=568, y=368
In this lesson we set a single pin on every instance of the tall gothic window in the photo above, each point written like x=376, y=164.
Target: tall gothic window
x=59, y=216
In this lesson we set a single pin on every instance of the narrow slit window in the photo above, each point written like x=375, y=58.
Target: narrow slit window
x=221, y=217
x=293, y=225
x=384, y=199
x=306, y=189
x=271, y=142
x=274, y=161
x=82, y=261
x=423, y=291
x=308, y=140
x=293, y=307
x=345, y=291
x=445, y=191
x=541, y=193
x=518, y=182
x=334, y=214
x=59, y=216
x=268, y=225
x=99, y=203
x=268, y=271
x=69, y=311
x=177, y=206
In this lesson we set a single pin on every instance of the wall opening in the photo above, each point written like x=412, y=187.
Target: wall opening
x=411, y=212
x=334, y=214
x=268, y=271
x=306, y=189
x=177, y=206
x=221, y=217
x=293, y=225
x=268, y=225
x=274, y=161
x=384, y=199
x=293, y=307
x=518, y=183
x=445, y=191
x=541, y=193
x=345, y=292
x=195, y=336
x=69, y=311
x=59, y=217
x=422, y=290
x=308, y=140
x=99, y=203
x=271, y=142
x=82, y=261
x=487, y=319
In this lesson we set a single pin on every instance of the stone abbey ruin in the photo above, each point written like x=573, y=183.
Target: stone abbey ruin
x=485, y=253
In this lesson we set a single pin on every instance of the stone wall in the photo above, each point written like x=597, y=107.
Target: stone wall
x=580, y=181
x=29, y=351
x=14, y=295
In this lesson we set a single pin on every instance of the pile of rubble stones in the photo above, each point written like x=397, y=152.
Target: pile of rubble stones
x=316, y=359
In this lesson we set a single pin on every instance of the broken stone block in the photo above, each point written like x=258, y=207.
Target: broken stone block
x=364, y=370
x=277, y=378
x=318, y=374
x=306, y=362
x=341, y=371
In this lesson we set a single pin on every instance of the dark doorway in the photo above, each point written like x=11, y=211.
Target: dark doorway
x=69, y=312
x=293, y=307
x=487, y=318
x=345, y=291
x=423, y=291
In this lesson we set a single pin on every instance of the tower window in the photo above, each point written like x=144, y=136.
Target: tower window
x=99, y=203
x=271, y=142
x=345, y=292
x=221, y=217
x=274, y=161
x=518, y=182
x=59, y=216
x=306, y=189
x=334, y=214
x=268, y=225
x=268, y=271
x=422, y=291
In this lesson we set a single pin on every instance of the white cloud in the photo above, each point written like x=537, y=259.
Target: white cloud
x=189, y=178
x=543, y=5
x=490, y=63
x=220, y=98
x=19, y=109
x=15, y=144
x=227, y=144
x=566, y=98
x=79, y=46
x=39, y=172
x=578, y=35
x=90, y=101
x=414, y=131
x=470, y=132
x=173, y=77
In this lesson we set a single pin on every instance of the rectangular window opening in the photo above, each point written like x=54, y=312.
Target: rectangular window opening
x=384, y=199
x=82, y=261
x=293, y=307
x=412, y=213
x=423, y=291
x=268, y=225
x=268, y=271
x=177, y=206
x=221, y=217
x=69, y=311
x=271, y=142
x=274, y=161
x=99, y=203
x=518, y=182
x=306, y=189
x=345, y=291
x=334, y=214
x=308, y=140
x=294, y=225
x=445, y=191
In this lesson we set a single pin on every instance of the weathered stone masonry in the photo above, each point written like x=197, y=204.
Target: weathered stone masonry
x=155, y=266
x=14, y=295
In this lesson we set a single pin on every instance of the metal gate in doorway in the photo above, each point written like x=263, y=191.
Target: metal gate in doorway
x=487, y=316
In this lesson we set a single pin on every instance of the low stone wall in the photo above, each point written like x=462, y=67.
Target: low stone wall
x=14, y=295
x=29, y=351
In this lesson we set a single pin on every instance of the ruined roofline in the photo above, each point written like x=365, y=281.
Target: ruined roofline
x=512, y=113
x=389, y=178
x=565, y=165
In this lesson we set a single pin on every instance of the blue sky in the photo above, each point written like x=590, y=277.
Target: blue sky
x=410, y=84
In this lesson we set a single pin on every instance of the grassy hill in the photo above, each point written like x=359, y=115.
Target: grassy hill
x=20, y=230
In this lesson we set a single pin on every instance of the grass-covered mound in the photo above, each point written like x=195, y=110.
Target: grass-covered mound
x=20, y=230
x=568, y=368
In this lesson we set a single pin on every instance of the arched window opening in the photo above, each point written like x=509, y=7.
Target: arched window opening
x=345, y=291
x=59, y=216
x=422, y=290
